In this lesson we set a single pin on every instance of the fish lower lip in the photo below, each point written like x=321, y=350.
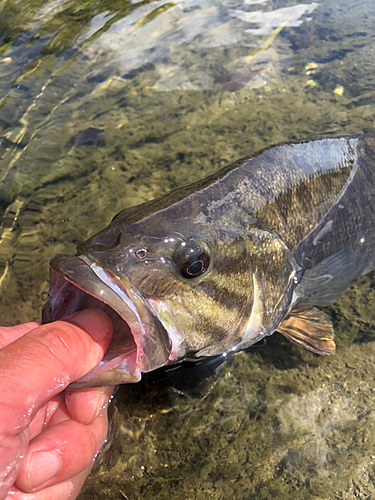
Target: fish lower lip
x=139, y=343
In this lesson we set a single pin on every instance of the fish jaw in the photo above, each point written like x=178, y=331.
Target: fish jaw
x=176, y=322
x=140, y=343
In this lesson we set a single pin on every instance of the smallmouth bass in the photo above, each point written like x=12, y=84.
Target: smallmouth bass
x=218, y=264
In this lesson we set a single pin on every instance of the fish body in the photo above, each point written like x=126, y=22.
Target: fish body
x=218, y=264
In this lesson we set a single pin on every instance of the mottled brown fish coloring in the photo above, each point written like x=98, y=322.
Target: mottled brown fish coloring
x=218, y=264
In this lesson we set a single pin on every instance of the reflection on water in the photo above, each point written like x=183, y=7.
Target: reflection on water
x=107, y=104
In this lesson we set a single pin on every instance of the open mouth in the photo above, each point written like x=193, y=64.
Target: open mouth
x=140, y=343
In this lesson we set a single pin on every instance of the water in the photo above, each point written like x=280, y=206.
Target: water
x=107, y=104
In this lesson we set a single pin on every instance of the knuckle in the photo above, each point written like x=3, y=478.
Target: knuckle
x=60, y=341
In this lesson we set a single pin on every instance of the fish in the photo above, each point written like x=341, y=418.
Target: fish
x=219, y=264
x=232, y=82
x=89, y=136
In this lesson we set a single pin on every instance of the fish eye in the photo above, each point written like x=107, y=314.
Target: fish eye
x=192, y=260
x=141, y=253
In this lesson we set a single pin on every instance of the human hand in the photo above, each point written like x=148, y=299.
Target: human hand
x=49, y=436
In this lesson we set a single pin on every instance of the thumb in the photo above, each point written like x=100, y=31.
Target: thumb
x=45, y=361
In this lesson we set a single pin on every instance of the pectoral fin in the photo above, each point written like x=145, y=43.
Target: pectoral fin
x=311, y=328
x=322, y=284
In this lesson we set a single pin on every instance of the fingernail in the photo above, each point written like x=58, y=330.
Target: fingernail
x=43, y=466
x=94, y=321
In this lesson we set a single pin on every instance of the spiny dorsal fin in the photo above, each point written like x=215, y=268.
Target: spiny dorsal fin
x=311, y=328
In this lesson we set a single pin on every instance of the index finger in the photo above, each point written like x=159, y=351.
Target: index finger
x=45, y=361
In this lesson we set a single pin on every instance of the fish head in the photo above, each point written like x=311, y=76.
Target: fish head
x=173, y=291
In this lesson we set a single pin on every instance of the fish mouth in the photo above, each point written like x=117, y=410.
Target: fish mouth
x=140, y=343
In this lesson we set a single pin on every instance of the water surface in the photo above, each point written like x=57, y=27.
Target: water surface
x=107, y=104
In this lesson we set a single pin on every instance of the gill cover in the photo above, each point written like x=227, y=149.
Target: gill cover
x=273, y=274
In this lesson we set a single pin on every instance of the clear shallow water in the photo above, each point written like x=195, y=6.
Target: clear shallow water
x=104, y=105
